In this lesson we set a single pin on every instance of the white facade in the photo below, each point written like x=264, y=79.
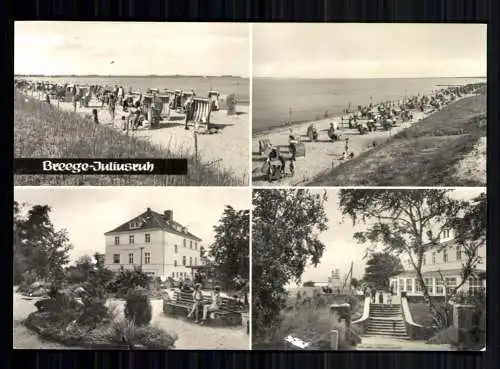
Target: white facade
x=436, y=262
x=164, y=254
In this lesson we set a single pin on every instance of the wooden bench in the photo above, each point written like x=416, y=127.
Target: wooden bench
x=228, y=314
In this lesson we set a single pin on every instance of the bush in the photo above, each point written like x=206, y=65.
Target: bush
x=308, y=284
x=138, y=307
x=156, y=338
x=126, y=280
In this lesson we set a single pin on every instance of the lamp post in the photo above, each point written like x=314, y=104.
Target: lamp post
x=142, y=248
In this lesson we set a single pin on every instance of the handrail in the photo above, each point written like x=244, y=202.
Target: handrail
x=407, y=313
x=366, y=311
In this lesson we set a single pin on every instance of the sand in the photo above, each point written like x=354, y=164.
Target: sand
x=324, y=154
x=473, y=166
x=227, y=149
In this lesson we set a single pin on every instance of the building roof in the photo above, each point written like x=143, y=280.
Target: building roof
x=152, y=220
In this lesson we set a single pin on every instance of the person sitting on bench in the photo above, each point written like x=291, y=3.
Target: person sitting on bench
x=214, y=305
x=197, y=296
x=274, y=155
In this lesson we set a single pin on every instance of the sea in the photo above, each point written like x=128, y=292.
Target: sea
x=201, y=85
x=278, y=101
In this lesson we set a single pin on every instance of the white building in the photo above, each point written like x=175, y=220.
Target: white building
x=444, y=259
x=155, y=242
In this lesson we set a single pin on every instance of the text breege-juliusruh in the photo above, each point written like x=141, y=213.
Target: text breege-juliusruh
x=97, y=166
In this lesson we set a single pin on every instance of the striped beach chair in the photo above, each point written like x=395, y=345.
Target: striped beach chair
x=199, y=111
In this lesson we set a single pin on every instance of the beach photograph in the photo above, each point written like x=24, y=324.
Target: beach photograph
x=91, y=271
x=369, y=269
x=134, y=90
x=369, y=104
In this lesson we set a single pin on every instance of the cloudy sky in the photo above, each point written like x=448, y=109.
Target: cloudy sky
x=341, y=249
x=369, y=50
x=81, y=48
x=87, y=213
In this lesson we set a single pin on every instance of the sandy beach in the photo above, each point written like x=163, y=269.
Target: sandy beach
x=227, y=149
x=323, y=154
x=473, y=165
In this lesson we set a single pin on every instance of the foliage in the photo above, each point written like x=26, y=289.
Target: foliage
x=410, y=222
x=138, y=307
x=126, y=332
x=38, y=246
x=79, y=272
x=127, y=279
x=286, y=226
x=355, y=283
x=380, y=267
x=308, y=284
x=231, y=248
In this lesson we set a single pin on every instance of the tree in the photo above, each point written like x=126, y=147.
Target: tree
x=231, y=248
x=286, y=226
x=39, y=248
x=407, y=222
x=355, y=283
x=380, y=268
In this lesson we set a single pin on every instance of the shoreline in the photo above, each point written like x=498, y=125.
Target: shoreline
x=319, y=157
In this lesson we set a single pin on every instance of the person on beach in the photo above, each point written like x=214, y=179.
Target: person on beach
x=47, y=98
x=197, y=297
x=74, y=100
x=292, y=142
x=112, y=107
x=214, y=305
x=274, y=155
x=96, y=116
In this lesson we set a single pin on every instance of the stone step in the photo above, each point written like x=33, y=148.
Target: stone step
x=385, y=313
x=384, y=324
x=388, y=331
x=387, y=334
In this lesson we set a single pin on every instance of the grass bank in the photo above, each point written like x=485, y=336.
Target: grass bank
x=43, y=131
x=425, y=154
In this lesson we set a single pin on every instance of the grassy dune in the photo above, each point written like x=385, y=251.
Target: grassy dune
x=425, y=154
x=43, y=131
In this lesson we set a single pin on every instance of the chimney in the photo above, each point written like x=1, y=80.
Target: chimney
x=168, y=215
x=148, y=209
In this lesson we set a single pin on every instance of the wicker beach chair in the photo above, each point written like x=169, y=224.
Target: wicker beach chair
x=264, y=146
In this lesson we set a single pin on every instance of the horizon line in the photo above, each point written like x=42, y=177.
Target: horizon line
x=127, y=75
x=432, y=77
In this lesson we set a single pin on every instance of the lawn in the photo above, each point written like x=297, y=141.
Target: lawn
x=425, y=154
x=43, y=131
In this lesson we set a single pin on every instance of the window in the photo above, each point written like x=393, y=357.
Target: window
x=116, y=258
x=195, y=261
x=147, y=257
x=184, y=242
x=173, y=274
x=445, y=255
x=190, y=260
x=175, y=249
x=131, y=258
x=418, y=286
x=175, y=263
x=451, y=283
x=475, y=285
x=147, y=238
x=196, y=245
x=439, y=286
x=409, y=284
x=424, y=259
x=433, y=258
x=428, y=284
x=131, y=240
x=401, y=284
x=459, y=253
x=190, y=244
x=184, y=260
x=446, y=233
x=135, y=225
x=117, y=240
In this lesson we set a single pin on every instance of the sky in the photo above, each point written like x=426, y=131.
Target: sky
x=82, y=48
x=87, y=213
x=341, y=249
x=368, y=50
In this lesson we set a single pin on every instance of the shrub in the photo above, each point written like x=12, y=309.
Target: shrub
x=138, y=307
x=94, y=311
x=155, y=338
x=124, y=332
x=126, y=280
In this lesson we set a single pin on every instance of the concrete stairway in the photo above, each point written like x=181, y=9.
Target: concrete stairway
x=386, y=320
